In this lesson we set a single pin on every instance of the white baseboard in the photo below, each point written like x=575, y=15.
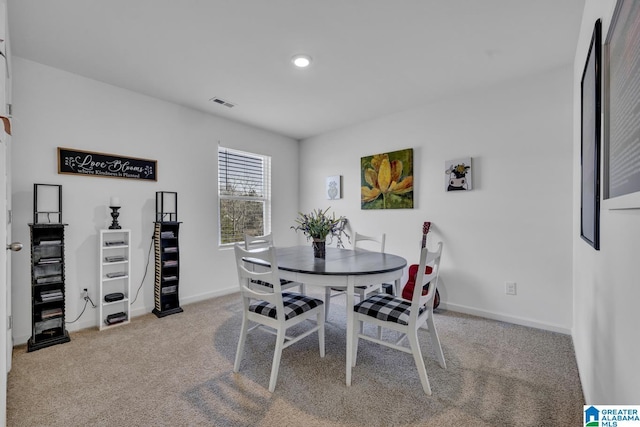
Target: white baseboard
x=209, y=295
x=135, y=312
x=20, y=340
x=506, y=318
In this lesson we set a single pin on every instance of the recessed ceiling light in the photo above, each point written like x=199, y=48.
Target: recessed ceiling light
x=301, y=61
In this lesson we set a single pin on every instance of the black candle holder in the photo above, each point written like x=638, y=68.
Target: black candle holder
x=115, y=214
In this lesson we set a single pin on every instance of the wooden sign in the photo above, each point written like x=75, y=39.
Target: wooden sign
x=105, y=165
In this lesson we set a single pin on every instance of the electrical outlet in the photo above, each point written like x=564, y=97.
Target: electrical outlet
x=510, y=288
x=85, y=293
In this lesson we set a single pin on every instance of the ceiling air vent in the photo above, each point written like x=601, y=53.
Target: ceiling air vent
x=222, y=102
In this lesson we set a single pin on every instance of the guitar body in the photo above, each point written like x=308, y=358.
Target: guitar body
x=407, y=291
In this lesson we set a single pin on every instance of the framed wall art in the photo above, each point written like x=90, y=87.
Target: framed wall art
x=387, y=180
x=622, y=108
x=458, y=175
x=333, y=190
x=590, y=145
x=90, y=163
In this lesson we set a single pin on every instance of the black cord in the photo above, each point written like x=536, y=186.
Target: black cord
x=146, y=269
x=86, y=300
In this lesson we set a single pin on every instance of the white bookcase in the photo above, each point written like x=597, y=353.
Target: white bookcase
x=115, y=278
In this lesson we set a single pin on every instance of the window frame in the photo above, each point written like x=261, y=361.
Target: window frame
x=265, y=198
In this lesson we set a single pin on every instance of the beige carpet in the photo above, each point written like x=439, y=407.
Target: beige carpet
x=177, y=371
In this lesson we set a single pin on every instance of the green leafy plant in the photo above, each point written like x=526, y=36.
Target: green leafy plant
x=318, y=224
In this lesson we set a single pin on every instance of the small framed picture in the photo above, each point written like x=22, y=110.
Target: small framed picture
x=458, y=175
x=333, y=187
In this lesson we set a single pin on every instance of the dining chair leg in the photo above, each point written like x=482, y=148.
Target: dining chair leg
x=243, y=337
x=435, y=342
x=417, y=357
x=277, y=354
x=320, y=320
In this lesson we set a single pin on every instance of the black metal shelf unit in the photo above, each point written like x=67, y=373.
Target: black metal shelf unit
x=167, y=277
x=47, y=286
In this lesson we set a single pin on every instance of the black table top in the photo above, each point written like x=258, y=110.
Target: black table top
x=300, y=259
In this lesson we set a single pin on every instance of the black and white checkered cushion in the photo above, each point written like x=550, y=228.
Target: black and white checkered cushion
x=294, y=305
x=387, y=308
x=269, y=285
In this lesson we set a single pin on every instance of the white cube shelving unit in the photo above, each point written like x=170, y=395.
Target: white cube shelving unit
x=115, y=278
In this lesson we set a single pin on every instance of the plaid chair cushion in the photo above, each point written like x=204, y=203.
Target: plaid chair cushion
x=269, y=285
x=294, y=305
x=386, y=308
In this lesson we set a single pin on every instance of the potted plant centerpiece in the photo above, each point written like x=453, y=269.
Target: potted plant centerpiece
x=317, y=225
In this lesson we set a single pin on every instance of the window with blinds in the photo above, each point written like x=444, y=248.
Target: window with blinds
x=244, y=193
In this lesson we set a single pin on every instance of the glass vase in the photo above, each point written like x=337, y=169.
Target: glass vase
x=319, y=248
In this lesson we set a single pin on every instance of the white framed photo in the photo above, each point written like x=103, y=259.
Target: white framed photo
x=333, y=187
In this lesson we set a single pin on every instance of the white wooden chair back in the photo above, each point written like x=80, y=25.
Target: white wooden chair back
x=432, y=259
x=252, y=243
x=376, y=243
x=268, y=274
x=256, y=242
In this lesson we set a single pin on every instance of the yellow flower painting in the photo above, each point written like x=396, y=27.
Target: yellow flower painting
x=387, y=180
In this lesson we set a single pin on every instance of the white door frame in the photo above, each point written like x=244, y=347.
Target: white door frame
x=6, y=339
x=5, y=288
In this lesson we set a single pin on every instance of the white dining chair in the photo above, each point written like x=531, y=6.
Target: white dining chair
x=362, y=242
x=405, y=317
x=259, y=242
x=275, y=310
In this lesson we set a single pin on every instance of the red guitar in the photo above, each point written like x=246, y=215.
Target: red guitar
x=407, y=291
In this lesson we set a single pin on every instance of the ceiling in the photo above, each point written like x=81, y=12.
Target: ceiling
x=371, y=58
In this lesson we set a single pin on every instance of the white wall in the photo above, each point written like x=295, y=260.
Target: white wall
x=606, y=284
x=515, y=225
x=54, y=108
